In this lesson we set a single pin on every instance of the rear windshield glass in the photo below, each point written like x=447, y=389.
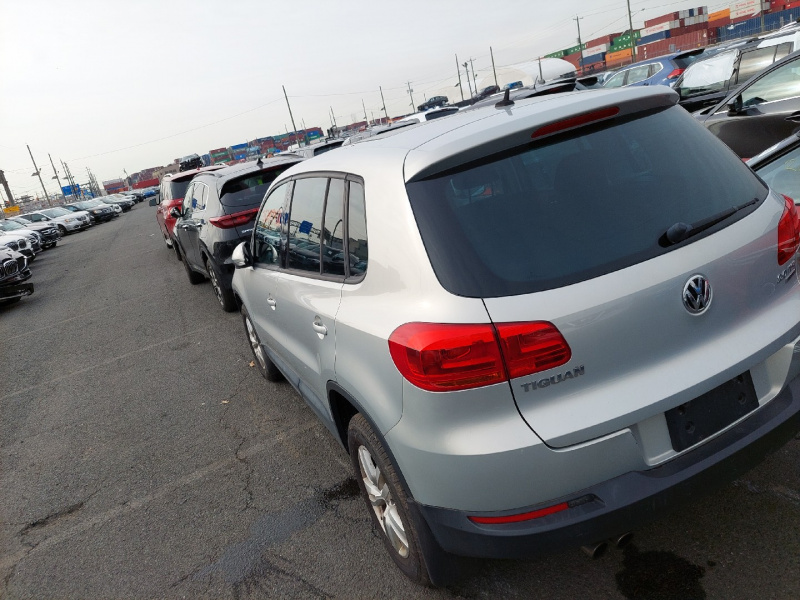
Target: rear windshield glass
x=577, y=207
x=249, y=190
x=178, y=188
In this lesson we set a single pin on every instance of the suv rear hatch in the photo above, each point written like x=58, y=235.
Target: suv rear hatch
x=598, y=231
x=241, y=197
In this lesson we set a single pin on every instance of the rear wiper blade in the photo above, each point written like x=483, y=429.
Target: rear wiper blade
x=680, y=231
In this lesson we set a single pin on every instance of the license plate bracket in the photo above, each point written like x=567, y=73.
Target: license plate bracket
x=702, y=417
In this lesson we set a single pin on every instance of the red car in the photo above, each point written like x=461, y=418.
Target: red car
x=171, y=192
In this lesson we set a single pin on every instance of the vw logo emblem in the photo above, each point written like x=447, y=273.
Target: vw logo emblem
x=697, y=294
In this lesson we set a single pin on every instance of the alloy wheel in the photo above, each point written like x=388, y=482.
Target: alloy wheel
x=383, y=504
x=258, y=351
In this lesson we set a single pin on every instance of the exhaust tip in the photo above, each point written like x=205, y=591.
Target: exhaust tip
x=595, y=551
x=623, y=540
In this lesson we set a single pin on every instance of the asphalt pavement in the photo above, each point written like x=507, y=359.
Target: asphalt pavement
x=142, y=456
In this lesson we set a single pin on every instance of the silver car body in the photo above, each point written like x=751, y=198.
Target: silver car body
x=636, y=351
x=69, y=222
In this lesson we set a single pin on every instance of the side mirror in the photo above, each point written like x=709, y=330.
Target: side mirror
x=241, y=256
x=735, y=106
x=175, y=213
x=153, y=201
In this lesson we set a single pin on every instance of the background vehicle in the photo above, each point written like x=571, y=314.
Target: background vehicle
x=14, y=272
x=35, y=239
x=779, y=166
x=515, y=397
x=217, y=213
x=432, y=102
x=429, y=115
x=50, y=234
x=487, y=91
x=99, y=211
x=760, y=113
x=663, y=70
x=192, y=161
x=317, y=149
x=172, y=190
x=20, y=242
x=123, y=202
x=66, y=221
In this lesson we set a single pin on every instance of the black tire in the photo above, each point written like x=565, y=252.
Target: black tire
x=366, y=448
x=223, y=294
x=194, y=276
x=10, y=301
x=63, y=230
x=177, y=250
x=168, y=241
x=265, y=366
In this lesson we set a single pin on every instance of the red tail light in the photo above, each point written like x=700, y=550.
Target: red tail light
x=675, y=73
x=450, y=357
x=528, y=516
x=788, y=231
x=234, y=220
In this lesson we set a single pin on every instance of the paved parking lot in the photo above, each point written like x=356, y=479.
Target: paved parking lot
x=142, y=456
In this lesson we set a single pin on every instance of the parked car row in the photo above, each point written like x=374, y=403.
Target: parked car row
x=25, y=235
x=604, y=359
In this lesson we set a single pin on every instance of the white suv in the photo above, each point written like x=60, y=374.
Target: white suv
x=66, y=221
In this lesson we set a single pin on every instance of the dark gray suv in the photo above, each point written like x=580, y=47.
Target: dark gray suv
x=218, y=211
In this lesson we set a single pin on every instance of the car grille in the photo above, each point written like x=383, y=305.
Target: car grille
x=83, y=218
x=9, y=267
x=12, y=245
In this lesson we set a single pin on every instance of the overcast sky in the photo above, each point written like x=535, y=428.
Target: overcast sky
x=115, y=86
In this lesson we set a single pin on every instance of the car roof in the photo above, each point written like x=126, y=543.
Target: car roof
x=184, y=175
x=423, y=149
x=252, y=166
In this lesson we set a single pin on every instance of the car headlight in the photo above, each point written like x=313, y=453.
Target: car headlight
x=68, y=220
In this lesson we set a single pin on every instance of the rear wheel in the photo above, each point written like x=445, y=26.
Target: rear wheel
x=386, y=500
x=265, y=366
x=224, y=295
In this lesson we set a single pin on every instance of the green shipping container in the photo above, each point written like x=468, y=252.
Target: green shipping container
x=617, y=46
x=558, y=54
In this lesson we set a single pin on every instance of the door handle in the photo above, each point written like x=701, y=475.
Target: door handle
x=272, y=302
x=319, y=327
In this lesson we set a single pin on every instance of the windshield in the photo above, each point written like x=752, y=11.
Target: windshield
x=87, y=204
x=55, y=212
x=707, y=76
x=507, y=226
x=21, y=220
x=7, y=225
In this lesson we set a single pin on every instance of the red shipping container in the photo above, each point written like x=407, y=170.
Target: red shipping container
x=674, y=16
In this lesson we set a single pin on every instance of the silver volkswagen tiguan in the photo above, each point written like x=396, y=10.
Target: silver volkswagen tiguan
x=534, y=325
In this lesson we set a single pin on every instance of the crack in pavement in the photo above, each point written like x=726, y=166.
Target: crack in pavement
x=10, y=560
x=54, y=516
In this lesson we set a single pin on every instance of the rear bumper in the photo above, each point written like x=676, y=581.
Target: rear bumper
x=626, y=502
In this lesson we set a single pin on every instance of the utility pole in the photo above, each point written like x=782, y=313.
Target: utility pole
x=469, y=85
x=290, y=113
x=333, y=116
x=460, y=87
x=580, y=42
x=411, y=94
x=39, y=175
x=493, y=69
x=474, y=79
x=72, y=186
x=366, y=118
x=9, y=195
x=630, y=25
x=56, y=172
x=384, y=103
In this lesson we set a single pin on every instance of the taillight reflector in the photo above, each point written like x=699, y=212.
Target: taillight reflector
x=532, y=347
x=234, y=220
x=450, y=357
x=528, y=516
x=675, y=73
x=788, y=231
x=577, y=121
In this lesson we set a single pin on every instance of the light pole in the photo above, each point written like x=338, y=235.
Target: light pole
x=37, y=173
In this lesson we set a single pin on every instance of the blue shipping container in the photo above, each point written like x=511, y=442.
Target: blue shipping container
x=653, y=37
x=594, y=58
x=239, y=147
x=239, y=156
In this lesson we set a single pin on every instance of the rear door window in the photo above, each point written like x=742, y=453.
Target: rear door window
x=754, y=61
x=248, y=191
x=305, y=224
x=578, y=205
x=333, y=255
x=357, y=247
x=637, y=74
x=780, y=84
